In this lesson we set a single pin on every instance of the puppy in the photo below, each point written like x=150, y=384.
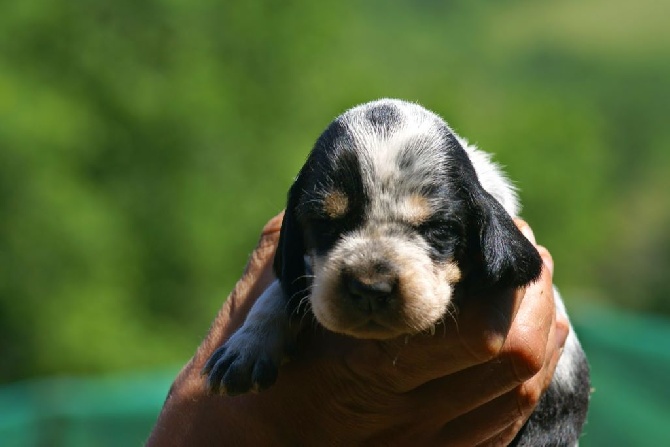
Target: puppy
x=390, y=220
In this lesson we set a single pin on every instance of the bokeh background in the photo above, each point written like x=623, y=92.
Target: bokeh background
x=143, y=145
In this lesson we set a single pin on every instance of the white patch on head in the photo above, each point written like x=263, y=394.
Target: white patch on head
x=415, y=137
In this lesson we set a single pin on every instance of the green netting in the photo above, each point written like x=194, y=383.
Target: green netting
x=630, y=363
x=629, y=355
x=105, y=411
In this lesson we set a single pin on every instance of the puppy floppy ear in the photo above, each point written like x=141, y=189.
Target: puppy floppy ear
x=289, y=261
x=506, y=257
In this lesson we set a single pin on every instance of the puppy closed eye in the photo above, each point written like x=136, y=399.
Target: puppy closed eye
x=442, y=235
x=324, y=232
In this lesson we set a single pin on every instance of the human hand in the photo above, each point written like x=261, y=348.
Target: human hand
x=474, y=382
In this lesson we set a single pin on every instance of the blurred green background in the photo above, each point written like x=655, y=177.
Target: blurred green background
x=144, y=144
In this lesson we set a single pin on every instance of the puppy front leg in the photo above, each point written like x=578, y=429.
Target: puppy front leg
x=250, y=359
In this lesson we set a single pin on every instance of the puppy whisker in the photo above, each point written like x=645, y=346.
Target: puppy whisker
x=306, y=292
x=303, y=277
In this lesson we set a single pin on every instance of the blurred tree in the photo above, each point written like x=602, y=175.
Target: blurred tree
x=143, y=145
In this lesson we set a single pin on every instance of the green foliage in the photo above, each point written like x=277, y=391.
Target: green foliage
x=144, y=145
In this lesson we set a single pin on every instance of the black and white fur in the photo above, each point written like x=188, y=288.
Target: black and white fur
x=392, y=220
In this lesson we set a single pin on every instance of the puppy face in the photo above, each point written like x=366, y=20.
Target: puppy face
x=388, y=212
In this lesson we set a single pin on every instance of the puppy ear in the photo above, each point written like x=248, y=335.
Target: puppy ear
x=289, y=261
x=506, y=257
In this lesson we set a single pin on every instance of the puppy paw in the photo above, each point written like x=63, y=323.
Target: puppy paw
x=246, y=362
x=250, y=359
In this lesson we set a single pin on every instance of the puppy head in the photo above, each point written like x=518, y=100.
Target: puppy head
x=389, y=216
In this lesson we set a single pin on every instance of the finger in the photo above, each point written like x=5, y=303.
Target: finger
x=481, y=334
x=526, y=353
x=257, y=276
x=481, y=424
x=493, y=379
x=503, y=438
x=525, y=229
x=526, y=402
x=546, y=258
x=528, y=233
x=534, y=326
x=475, y=336
x=562, y=325
x=274, y=224
x=494, y=419
x=485, y=321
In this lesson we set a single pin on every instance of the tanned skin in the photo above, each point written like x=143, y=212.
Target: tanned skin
x=473, y=384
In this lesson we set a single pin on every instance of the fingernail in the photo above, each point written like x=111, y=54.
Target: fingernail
x=548, y=261
x=561, y=335
x=526, y=231
x=550, y=264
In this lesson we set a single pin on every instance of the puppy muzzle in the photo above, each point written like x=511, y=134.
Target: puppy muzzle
x=377, y=287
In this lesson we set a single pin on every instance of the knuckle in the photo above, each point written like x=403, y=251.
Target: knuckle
x=542, y=250
x=528, y=396
x=488, y=346
x=526, y=353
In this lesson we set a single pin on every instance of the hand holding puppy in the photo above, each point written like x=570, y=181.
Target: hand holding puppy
x=474, y=382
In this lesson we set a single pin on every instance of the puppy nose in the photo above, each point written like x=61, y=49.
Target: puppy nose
x=371, y=295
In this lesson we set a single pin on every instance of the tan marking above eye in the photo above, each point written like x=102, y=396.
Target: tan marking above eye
x=417, y=209
x=335, y=204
